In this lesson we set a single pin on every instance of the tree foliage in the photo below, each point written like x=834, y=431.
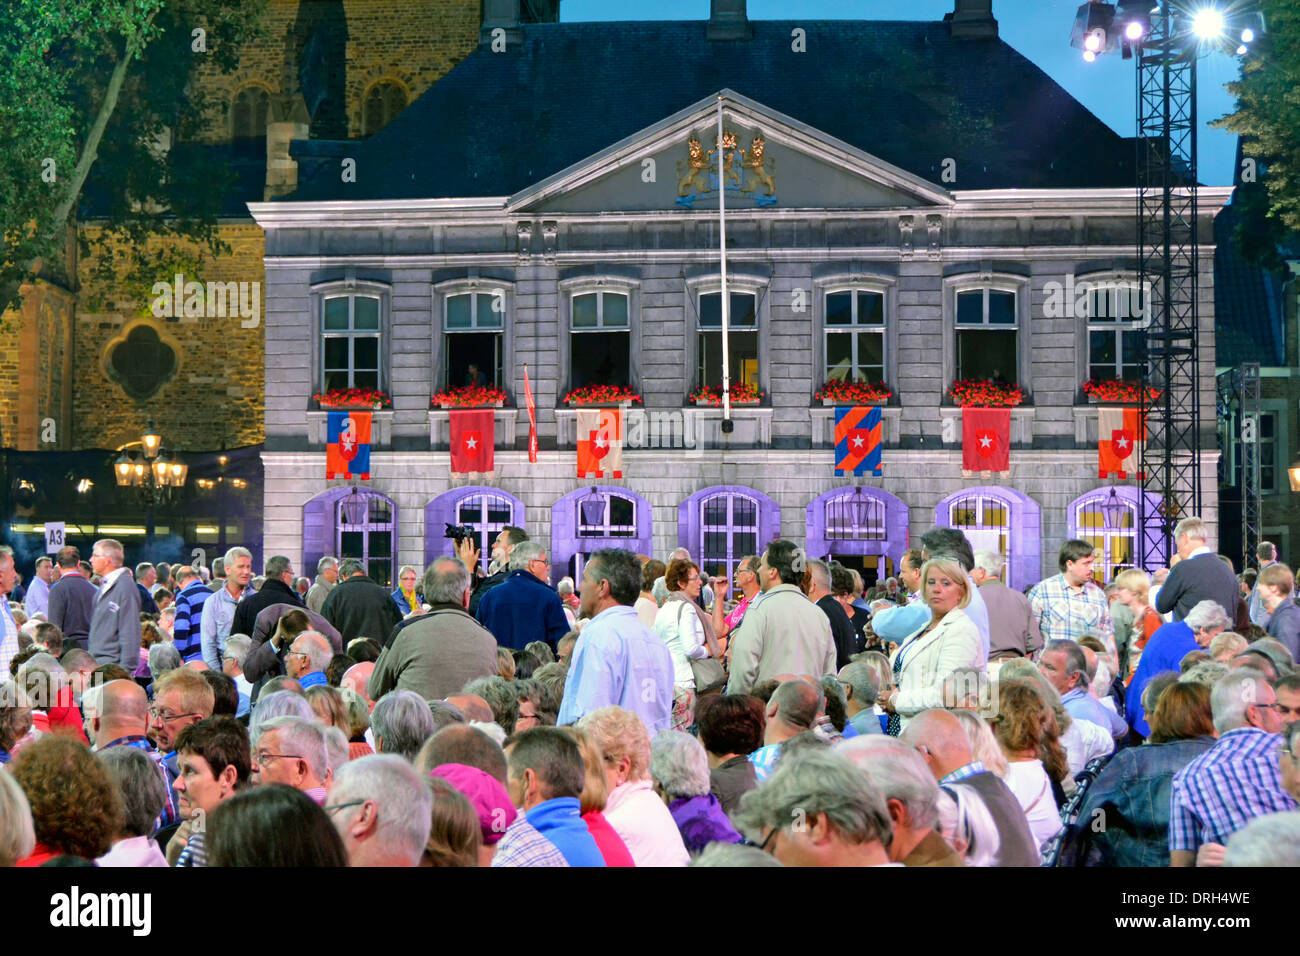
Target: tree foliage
x=102, y=117
x=1268, y=118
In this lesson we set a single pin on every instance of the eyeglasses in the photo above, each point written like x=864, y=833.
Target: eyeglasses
x=768, y=839
x=296, y=654
x=340, y=806
x=262, y=757
x=168, y=718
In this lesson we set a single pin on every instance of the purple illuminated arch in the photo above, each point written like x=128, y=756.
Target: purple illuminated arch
x=1024, y=532
x=688, y=518
x=891, y=546
x=441, y=511
x=566, y=542
x=1129, y=494
x=320, y=523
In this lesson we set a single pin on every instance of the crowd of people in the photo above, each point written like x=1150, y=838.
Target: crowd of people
x=650, y=714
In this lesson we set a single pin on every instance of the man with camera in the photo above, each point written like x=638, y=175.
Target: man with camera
x=469, y=556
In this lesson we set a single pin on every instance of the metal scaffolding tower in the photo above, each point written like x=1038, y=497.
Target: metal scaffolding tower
x=1167, y=254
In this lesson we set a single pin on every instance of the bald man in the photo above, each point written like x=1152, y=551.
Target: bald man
x=792, y=710
x=941, y=740
x=122, y=721
x=357, y=677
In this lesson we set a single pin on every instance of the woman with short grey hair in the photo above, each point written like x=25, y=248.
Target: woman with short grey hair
x=163, y=657
x=141, y=784
x=17, y=835
x=401, y=723
x=680, y=769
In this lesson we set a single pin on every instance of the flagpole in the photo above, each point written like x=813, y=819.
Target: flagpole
x=726, y=300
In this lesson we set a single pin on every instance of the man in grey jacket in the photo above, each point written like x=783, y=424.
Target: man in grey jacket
x=1013, y=626
x=115, y=622
x=327, y=575
x=785, y=633
x=438, y=653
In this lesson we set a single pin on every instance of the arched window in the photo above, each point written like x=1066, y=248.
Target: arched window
x=998, y=519
x=1107, y=518
x=863, y=528
x=595, y=517
x=365, y=529
x=248, y=114
x=724, y=523
x=384, y=101
x=485, y=511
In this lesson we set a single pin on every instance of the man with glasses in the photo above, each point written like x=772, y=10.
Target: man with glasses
x=383, y=809
x=291, y=751
x=524, y=608
x=181, y=698
x=308, y=657
x=121, y=720
x=746, y=580
x=1237, y=779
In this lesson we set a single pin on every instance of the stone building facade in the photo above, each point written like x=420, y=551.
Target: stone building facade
x=842, y=220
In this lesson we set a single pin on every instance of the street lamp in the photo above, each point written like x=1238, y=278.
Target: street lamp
x=1112, y=512
x=593, y=508
x=1293, y=476
x=151, y=471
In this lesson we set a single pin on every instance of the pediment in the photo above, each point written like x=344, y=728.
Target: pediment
x=769, y=161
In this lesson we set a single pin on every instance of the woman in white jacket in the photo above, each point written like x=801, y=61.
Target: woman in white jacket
x=949, y=642
x=688, y=632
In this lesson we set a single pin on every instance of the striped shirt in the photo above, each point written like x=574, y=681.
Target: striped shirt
x=1225, y=788
x=8, y=638
x=961, y=773
x=189, y=614
x=171, y=812
x=195, y=853
x=1068, y=613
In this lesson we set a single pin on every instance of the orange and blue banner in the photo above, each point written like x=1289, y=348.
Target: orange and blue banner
x=858, y=440
x=348, y=450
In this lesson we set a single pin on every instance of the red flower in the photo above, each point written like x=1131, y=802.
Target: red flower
x=855, y=392
x=1120, y=390
x=969, y=392
x=470, y=395
x=352, y=397
x=741, y=394
x=601, y=395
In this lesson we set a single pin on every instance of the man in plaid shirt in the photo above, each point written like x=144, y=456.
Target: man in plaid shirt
x=1237, y=779
x=1071, y=605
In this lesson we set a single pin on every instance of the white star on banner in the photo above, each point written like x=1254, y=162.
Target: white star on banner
x=347, y=444
x=601, y=441
x=1122, y=444
x=471, y=443
x=857, y=441
x=986, y=442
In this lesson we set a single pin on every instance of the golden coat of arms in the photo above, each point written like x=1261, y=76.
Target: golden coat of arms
x=746, y=172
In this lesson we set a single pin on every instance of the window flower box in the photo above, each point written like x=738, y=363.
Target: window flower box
x=1120, y=391
x=985, y=393
x=590, y=395
x=339, y=398
x=470, y=396
x=853, y=393
x=741, y=394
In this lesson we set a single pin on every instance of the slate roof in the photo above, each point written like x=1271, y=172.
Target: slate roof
x=1248, y=307
x=904, y=91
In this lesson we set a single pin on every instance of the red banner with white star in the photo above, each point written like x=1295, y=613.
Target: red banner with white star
x=1121, y=434
x=600, y=443
x=473, y=441
x=985, y=439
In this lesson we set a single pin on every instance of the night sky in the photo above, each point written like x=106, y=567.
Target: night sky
x=1038, y=29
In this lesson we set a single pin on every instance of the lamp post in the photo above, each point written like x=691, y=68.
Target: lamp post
x=145, y=466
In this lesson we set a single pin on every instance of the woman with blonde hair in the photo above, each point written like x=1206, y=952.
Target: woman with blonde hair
x=984, y=745
x=328, y=706
x=927, y=656
x=595, y=794
x=1133, y=590
x=1023, y=728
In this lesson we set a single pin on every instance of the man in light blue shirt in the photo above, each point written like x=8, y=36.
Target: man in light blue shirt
x=219, y=609
x=617, y=660
x=1065, y=666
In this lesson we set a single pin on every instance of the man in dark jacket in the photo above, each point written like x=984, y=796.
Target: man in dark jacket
x=276, y=589
x=817, y=585
x=438, y=653
x=523, y=608
x=72, y=600
x=265, y=657
x=358, y=607
x=1201, y=575
x=501, y=548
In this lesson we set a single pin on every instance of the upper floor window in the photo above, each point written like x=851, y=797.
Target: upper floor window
x=855, y=336
x=987, y=335
x=248, y=116
x=474, y=327
x=384, y=101
x=350, y=353
x=599, y=340
x=1116, y=328
x=742, y=339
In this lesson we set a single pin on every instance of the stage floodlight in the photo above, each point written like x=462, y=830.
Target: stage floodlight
x=1092, y=31
x=1208, y=23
